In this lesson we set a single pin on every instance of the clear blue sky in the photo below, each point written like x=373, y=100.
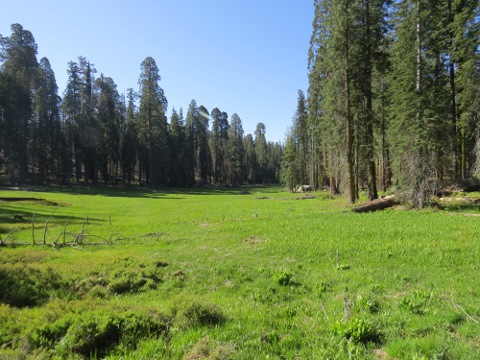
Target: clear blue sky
x=243, y=56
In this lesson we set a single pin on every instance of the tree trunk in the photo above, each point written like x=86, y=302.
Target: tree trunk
x=378, y=204
x=372, y=181
x=348, y=117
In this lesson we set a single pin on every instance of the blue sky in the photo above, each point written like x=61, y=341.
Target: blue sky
x=243, y=56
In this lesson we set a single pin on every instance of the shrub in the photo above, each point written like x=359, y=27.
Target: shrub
x=10, y=326
x=95, y=333
x=194, y=313
x=139, y=326
x=357, y=330
x=284, y=278
x=91, y=334
x=122, y=276
x=417, y=302
x=26, y=287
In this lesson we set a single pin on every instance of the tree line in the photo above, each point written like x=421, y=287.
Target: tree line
x=393, y=98
x=95, y=134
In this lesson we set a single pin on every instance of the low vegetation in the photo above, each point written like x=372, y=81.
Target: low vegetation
x=232, y=274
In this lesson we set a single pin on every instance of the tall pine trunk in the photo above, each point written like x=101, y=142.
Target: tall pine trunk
x=352, y=193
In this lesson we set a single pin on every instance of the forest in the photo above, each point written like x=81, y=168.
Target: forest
x=94, y=134
x=393, y=99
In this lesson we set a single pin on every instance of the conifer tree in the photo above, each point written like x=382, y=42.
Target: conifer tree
x=261, y=154
x=190, y=144
x=218, y=143
x=236, y=151
x=71, y=107
x=130, y=139
x=153, y=133
x=251, y=163
x=177, y=153
x=108, y=120
x=290, y=173
x=19, y=72
x=204, y=160
x=88, y=127
x=419, y=100
x=49, y=145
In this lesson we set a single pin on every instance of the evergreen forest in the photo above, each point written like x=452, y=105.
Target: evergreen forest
x=393, y=99
x=94, y=134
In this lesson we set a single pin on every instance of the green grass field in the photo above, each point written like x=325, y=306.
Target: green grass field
x=224, y=274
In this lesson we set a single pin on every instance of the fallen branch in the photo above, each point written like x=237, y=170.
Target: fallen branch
x=33, y=227
x=46, y=226
x=6, y=237
x=466, y=314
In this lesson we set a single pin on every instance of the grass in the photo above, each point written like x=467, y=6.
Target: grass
x=216, y=274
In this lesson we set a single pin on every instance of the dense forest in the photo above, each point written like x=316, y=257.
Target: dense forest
x=393, y=98
x=94, y=134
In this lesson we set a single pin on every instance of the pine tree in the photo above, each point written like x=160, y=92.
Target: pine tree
x=153, y=133
x=88, y=127
x=19, y=72
x=177, y=153
x=204, y=160
x=290, y=172
x=191, y=143
x=419, y=100
x=251, y=163
x=236, y=151
x=301, y=138
x=261, y=154
x=464, y=71
x=218, y=142
x=108, y=120
x=130, y=139
x=49, y=144
x=71, y=109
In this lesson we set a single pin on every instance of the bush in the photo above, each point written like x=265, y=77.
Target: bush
x=26, y=287
x=138, y=326
x=91, y=334
x=284, y=278
x=357, y=330
x=96, y=333
x=122, y=276
x=417, y=302
x=10, y=327
x=194, y=313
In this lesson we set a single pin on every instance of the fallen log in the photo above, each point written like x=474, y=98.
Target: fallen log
x=458, y=200
x=379, y=204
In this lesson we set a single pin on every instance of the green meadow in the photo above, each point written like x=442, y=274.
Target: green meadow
x=247, y=273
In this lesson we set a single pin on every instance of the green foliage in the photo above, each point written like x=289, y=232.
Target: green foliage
x=94, y=333
x=191, y=312
x=417, y=302
x=284, y=278
x=358, y=330
x=122, y=276
x=27, y=286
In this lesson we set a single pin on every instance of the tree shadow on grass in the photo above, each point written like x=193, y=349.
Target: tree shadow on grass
x=11, y=218
x=154, y=193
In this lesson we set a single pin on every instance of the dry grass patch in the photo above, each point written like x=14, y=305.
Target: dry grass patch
x=254, y=240
x=210, y=349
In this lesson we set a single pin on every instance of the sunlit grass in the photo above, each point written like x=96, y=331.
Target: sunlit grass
x=409, y=275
